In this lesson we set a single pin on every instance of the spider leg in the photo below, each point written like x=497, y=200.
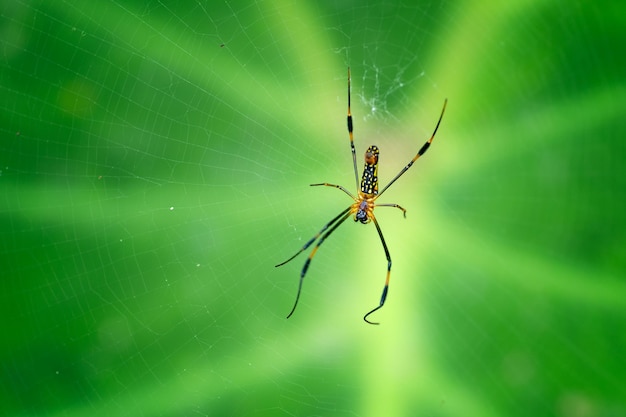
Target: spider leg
x=393, y=205
x=421, y=152
x=351, y=135
x=386, y=288
x=339, y=187
x=346, y=213
x=314, y=238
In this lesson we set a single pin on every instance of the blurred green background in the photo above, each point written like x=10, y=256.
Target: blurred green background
x=154, y=167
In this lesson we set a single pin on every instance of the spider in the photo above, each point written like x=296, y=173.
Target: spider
x=362, y=209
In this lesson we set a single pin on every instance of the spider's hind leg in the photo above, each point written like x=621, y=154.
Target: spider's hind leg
x=386, y=287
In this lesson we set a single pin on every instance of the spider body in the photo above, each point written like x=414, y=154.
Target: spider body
x=362, y=209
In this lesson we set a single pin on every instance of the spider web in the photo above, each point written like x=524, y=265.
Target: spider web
x=154, y=167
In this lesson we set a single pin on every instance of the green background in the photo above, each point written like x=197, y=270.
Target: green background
x=154, y=167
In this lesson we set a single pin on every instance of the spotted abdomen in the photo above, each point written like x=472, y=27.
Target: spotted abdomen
x=369, y=180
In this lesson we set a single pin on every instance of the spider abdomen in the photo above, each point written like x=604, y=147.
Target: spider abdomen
x=369, y=179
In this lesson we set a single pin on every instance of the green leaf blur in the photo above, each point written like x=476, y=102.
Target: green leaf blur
x=155, y=162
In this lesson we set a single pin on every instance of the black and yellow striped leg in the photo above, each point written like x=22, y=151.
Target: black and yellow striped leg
x=337, y=222
x=339, y=187
x=386, y=288
x=394, y=205
x=314, y=238
x=351, y=135
x=419, y=153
